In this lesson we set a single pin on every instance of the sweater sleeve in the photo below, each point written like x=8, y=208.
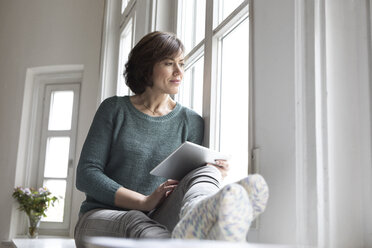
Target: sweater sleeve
x=91, y=177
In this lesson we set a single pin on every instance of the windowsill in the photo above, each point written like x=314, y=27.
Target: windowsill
x=44, y=242
x=107, y=242
x=104, y=242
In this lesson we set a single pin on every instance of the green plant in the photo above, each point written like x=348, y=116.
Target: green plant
x=33, y=201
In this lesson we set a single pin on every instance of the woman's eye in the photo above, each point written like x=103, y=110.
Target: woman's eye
x=182, y=64
x=168, y=63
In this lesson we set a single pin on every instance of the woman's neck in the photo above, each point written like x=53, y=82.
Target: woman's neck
x=154, y=105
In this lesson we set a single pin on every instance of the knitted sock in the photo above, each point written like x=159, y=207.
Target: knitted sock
x=225, y=215
x=258, y=192
x=233, y=225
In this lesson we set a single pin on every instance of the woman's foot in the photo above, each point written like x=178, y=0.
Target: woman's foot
x=258, y=192
x=226, y=215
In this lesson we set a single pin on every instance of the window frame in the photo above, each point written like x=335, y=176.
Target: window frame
x=209, y=47
x=29, y=142
x=128, y=17
x=45, y=134
x=211, y=104
x=113, y=24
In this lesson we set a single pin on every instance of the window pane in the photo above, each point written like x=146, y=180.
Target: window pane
x=125, y=47
x=60, y=114
x=193, y=23
x=234, y=100
x=124, y=4
x=191, y=91
x=197, y=82
x=58, y=189
x=56, y=159
x=199, y=20
x=184, y=95
x=226, y=7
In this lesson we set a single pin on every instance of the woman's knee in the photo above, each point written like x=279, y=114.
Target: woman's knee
x=203, y=174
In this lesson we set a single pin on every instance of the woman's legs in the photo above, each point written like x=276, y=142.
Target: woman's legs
x=114, y=223
x=258, y=192
x=247, y=198
x=226, y=215
x=206, y=211
x=199, y=183
x=136, y=224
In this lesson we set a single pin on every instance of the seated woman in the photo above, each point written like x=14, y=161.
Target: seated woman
x=130, y=135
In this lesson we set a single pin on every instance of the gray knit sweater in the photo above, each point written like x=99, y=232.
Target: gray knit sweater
x=123, y=145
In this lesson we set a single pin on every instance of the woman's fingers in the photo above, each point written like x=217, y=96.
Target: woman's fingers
x=168, y=187
x=222, y=165
x=162, y=191
x=171, y=182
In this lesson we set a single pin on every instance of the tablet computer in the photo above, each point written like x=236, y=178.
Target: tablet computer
x=186, y=158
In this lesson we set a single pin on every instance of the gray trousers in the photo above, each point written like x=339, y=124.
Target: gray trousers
x=157, y=224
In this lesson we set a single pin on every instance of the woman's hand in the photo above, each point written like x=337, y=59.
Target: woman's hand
x=222, y=165
x=158, y=196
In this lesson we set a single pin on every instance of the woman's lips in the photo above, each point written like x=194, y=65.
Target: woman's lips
x=175, y=81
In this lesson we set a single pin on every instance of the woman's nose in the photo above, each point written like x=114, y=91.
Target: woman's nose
x=177, y=70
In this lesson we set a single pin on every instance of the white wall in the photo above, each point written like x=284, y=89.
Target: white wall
x=274, y=115
x=348, y=58
x=343, y=196
x=40, y=33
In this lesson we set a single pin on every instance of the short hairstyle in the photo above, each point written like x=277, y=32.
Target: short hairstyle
x=151, y=49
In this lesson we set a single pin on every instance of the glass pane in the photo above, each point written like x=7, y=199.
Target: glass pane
x=60, y=114
x=125, y=47
x=191, y=91
x=185, y=89
x=58, y=189
x=124, y=4
x=226, y=7
x=193, y=23
x=234, y=100
x=197, y=73
x=199, y=21
x=56, y=158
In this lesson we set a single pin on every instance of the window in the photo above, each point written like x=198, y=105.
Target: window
x=47, y=145
x=57, y=150
x=124, y=4
x=216, y=82
x=234, y=105
x=126, y=44
x=125, y=47
x=192, y=22
x=226, y=7
x=191, y=30
x=191, y=90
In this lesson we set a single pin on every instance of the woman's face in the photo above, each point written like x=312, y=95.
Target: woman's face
x=168, y=74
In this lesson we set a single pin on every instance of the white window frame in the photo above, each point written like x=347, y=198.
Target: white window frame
x=209, y=48
x=194, y=54
x=212, y=65
x=45, y=133
x=113, y=22
x=191, y=62
x=128, y=20
x=29, y=141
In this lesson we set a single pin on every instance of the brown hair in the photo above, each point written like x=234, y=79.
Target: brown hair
x=151, y=49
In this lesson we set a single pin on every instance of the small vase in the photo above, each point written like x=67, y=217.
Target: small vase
x=33, y=225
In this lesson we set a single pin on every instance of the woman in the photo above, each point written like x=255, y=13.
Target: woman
x=129, y=136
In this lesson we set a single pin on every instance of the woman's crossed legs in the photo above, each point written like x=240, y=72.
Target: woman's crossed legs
x=196, y=209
